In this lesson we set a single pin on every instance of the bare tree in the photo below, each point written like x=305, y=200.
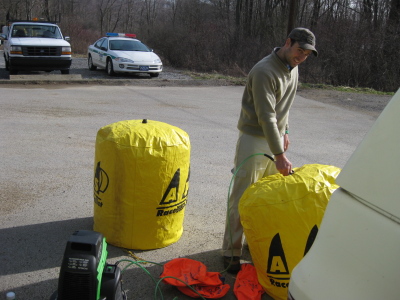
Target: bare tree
x=293, y=7
x=357, y=39
x=106, y=12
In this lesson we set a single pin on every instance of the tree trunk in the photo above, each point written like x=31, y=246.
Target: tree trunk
x=292, y=15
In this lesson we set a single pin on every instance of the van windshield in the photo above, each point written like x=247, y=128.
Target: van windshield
x=35, y=30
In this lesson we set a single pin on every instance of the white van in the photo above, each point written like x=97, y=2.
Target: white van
x=356, y=254
x=35, y=46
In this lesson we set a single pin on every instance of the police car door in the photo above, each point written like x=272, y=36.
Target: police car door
x=100, y=52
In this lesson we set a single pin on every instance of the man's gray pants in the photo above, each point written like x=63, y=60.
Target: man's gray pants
x=249, y=169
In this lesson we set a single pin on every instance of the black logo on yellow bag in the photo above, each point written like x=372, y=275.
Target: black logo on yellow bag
x=311, y=238
x=171, y=194
x=100, y=184
x=277, y=260
x=186, y=188
x=170, y=203
x=278, y=271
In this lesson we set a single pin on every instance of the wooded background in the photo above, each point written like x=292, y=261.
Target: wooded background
x=358, y=40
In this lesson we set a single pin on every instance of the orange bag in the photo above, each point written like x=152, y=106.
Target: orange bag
x=190, y=271
x=246, y=285
x=194, y=273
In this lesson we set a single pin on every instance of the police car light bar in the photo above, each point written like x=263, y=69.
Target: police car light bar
x=129, y=35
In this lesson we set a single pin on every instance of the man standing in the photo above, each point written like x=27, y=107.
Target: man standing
x=263, y=128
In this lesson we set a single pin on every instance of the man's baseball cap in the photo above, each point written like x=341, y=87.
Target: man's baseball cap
x=305, y=38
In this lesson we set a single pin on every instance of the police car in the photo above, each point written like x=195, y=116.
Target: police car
x=123, y=53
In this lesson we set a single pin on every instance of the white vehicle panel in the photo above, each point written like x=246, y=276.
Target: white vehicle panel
x=136, y=56
x=39, y=42
x=356, y=257
x=372, y=171
x=101, y=58
x=355, y=254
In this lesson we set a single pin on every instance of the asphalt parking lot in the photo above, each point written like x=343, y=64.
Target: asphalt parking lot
x=47, y=159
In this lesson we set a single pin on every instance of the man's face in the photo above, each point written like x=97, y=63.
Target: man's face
x=294, y=55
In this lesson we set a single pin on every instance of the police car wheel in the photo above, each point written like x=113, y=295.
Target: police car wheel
x=110, y=68
x=92, y=67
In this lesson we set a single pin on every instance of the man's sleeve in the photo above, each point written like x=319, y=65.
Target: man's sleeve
x=265, y=88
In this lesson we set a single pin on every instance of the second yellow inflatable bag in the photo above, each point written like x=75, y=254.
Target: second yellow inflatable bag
x=280, y=217
x=141, y=183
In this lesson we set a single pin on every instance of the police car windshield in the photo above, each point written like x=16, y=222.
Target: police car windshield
x=123, y=45
x=46, y=31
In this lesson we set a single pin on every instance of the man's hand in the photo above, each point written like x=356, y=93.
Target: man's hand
x=283, y=165
x=286, y=142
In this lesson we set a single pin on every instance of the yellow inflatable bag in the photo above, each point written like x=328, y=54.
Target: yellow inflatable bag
x=141, y=183
x=280, y=217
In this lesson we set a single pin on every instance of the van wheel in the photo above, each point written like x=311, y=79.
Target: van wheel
x=12, y=72
x=65, y=72
x=7, y=64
